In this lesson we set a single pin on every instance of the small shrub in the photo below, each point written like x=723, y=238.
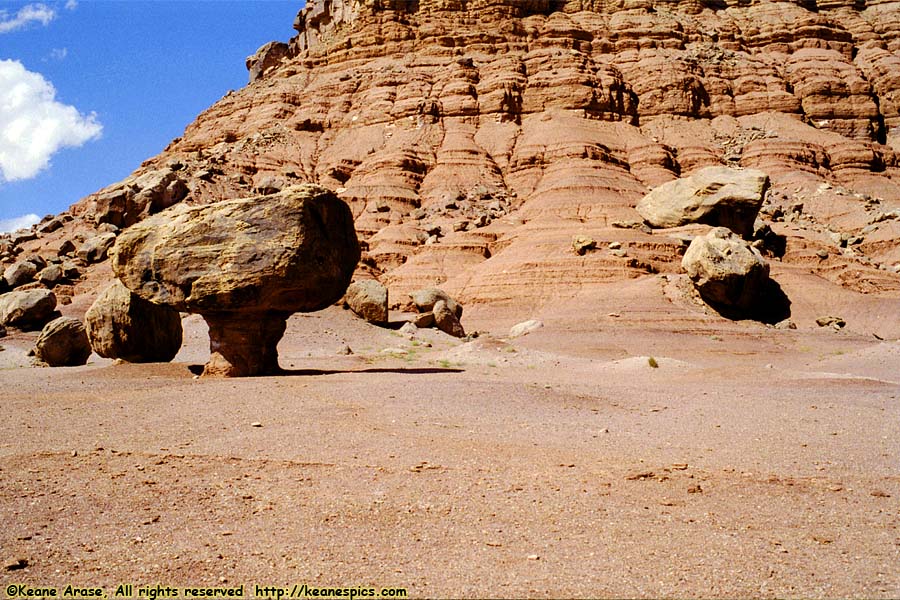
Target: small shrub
x=652, y=362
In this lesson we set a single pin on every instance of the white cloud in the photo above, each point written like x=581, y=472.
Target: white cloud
x=71, y=4
x=59, y=53
x=16, y=223
x=34, y=125
x=30, y=13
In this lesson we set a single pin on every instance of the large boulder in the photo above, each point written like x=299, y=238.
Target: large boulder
x=368, y=299
x=727, y=271
x=426, y=298
x=121, y=324
x=245, y=265
x=63, y=343
x=139, y=196
x=28, y=310
x=717, y=196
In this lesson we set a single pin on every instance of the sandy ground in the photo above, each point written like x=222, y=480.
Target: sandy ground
x=751, y=462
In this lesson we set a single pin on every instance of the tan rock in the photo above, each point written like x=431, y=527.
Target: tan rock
x=368, y=299
x=446, y=320
x=28, y=310
x=715, y=196
x=726, y=270
x=124, y=326
x=63, y=343
x=245, y=265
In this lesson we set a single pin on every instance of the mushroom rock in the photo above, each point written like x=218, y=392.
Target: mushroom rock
x=245, y=265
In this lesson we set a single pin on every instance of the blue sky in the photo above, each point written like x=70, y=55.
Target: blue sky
x=91, y=88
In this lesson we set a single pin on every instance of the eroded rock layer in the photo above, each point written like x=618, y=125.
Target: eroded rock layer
x=473, y=138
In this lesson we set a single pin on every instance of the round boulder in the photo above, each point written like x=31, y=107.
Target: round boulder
x=122, y=325
x=28, y=310
x=245, y=265
x=727, y=271
x=63, y=343
x=369, y=300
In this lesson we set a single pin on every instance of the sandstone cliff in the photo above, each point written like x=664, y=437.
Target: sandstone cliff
x=474, y=138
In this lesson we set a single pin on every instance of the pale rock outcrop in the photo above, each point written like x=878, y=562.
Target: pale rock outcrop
x=717, y=196
x=245, y=265
x=63, y=343
x=727, y=271
x=122, y=325
x=369, y=300
x=27, y=309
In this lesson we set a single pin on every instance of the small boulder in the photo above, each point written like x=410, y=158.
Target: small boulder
x=727, y=271
x=524, y=328
x=50, y=276
x=368, y=299
x=423, y=320
x=425, y=300
x=582, y=244
x=446, y=320
x=63, y=343
x=20, y=273
x=95, y=249
x=28, y=310
x=717, y=196
x=122, y=325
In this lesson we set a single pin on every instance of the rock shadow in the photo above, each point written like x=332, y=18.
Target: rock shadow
x=198, y=370
x=774, y=307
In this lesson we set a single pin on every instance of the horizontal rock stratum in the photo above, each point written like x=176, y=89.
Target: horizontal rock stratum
x=474, y=140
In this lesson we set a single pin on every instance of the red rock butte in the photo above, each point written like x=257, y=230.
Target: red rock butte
x=474, y=138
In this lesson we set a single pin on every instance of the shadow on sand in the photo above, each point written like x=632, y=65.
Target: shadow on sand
x=775, y=307
x=198, y=370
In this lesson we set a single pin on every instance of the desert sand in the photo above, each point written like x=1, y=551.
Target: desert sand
x=750, y=462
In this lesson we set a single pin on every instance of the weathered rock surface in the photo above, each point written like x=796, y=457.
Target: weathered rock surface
x=122, y=325
x=245, y=265
x=726, y=270
x=426, y=299
x=368, y=299
x=27, y=309
x=63, y=343
x=716, y=196
x=446, y=320
x=96, y=248
x=20, y=273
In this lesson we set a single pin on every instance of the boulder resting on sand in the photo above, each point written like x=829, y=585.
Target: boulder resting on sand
x=245, y=266
x=120, y=324
x=717, y=196
x=727, y=271
x=63, y=343
x=368, y=299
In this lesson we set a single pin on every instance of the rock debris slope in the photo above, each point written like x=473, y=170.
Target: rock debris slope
x=473, y=139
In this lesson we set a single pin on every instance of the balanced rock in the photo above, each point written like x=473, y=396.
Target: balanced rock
x=727, y=271
x=245, y=265
x=121, y=324
x=27, y=309
x=63, y=343
x=717, y=196
x=368, y=299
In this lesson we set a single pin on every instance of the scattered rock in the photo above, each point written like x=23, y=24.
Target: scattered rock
x=446, y=320
x=425, y=300
x=582, y=244
x=717, y=196
x=50, y=276
x=726, y=270
x=138, y=197
x=368, y=299
x=409, y=329
x=95, y=249
x=20, y=273
x=345, y=350
x=836, y=322
x=246, y=266
x=524, y=328
x=28, y=310
x=122, y=325
x=423, y=320
x=65, y=247
x=63, y=343
x=15, y=564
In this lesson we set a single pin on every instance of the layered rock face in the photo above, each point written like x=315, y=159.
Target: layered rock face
x=473, y=139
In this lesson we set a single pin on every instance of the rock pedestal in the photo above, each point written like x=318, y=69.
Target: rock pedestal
x=245, y=265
